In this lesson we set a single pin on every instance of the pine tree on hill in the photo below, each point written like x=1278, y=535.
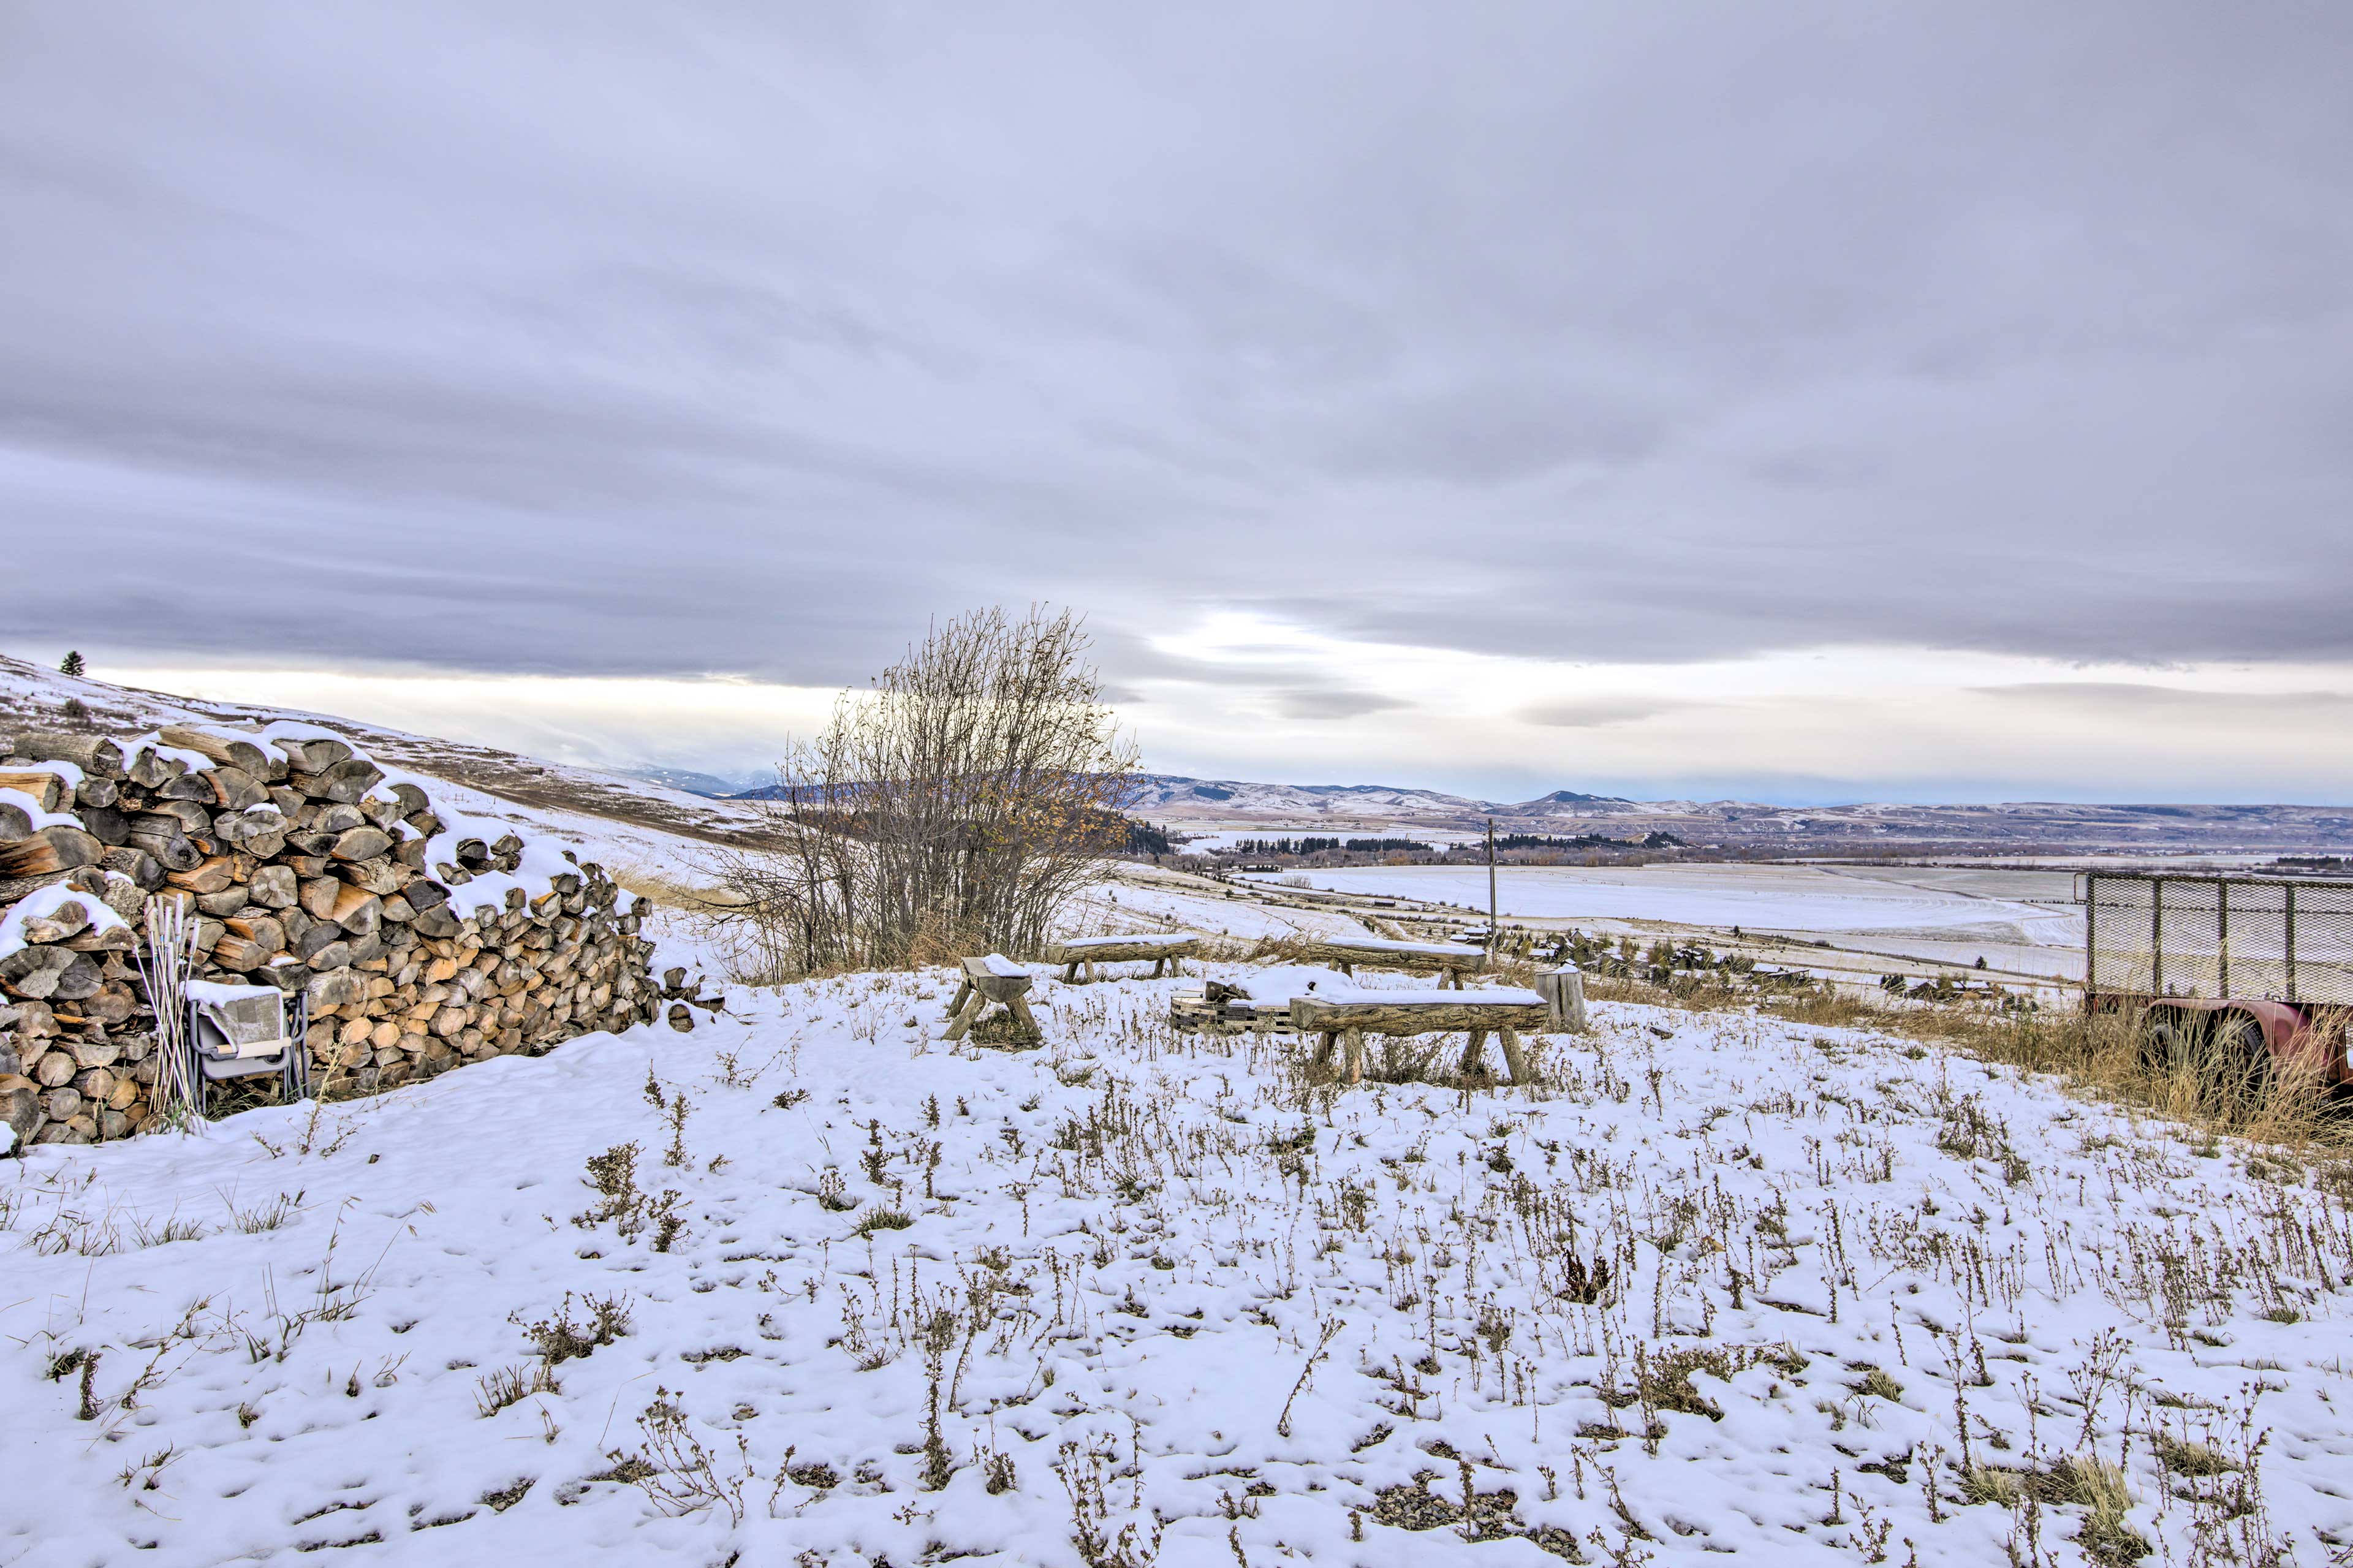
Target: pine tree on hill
x=73, y=664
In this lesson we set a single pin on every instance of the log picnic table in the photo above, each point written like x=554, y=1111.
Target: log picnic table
x=995, y=978
x=1167, y=951
x=1346, y=1017
x=1449, y=961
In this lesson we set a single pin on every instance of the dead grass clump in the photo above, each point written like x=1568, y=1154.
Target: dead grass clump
x=2091, y=1484
x=1479, y=1516
x=2098, y=1488
x=2188, y=1456
x=512, y=1385
x=1996, y=1483
x=1662, y=1381
x=559, y=1339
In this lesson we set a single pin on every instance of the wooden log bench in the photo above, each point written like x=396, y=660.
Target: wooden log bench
x=995, y=978
x=1167, y=953
x=1449, y=961
x=1344, y=1017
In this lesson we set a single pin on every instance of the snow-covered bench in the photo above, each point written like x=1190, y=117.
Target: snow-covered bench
x=1450, y=959
x=1167, y=953
x=1345, y=1016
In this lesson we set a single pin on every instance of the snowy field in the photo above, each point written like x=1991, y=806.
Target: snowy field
x=1754, y=898
x=2018, y=922
x=807, y=1288
x=1138, y=900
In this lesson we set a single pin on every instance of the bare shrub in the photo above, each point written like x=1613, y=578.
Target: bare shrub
x=954, y=807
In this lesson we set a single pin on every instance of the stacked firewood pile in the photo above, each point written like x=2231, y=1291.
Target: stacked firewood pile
x=419, y=943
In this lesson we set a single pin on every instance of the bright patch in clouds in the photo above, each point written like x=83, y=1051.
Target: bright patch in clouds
x=1241, y=695
x=1245, y=696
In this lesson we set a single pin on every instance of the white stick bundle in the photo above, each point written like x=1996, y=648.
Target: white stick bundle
x=163, y=965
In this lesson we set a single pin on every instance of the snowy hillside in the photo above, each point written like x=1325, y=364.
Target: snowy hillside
x=630, y=821
x=808, y=1288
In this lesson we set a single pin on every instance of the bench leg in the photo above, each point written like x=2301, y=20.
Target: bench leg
x=962, y=1018
x=963, y=996
x=1021, y=1006
x=1349, y=970
x=1474, y=1051
x=1159, y=966
x=1515, y=1057
x=1324, y=1043
x=1177, y=966
x=1070, y=972
x=1352, y=1046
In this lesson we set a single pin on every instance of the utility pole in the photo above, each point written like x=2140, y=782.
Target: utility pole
x=1494, y=927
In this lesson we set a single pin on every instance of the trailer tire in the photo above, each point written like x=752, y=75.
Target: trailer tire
x=2243, y=1055
x=2166, y=1044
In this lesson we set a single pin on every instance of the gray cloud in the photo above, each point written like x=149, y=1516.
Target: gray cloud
x=1326, y=702
x=743, y=339
x=2177, y=702
x=1592, y=714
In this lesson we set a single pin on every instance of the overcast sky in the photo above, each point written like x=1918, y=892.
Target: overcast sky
x=1785, y=400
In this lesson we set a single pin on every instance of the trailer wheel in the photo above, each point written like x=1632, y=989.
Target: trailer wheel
x=2243, y=1055
x=2165, y=1044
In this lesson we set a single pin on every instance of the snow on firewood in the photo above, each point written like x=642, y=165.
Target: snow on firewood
x=420, y=937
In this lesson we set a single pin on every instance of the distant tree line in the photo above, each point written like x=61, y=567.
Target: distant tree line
x=1586, y=841
x=1313, y=846
x=1283, y=845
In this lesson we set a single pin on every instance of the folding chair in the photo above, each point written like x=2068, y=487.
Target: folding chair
x=240, y=1031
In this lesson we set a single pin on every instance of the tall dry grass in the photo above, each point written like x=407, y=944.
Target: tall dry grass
x=2103, y=1055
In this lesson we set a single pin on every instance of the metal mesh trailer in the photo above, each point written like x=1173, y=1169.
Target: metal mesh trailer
x=2161, y=935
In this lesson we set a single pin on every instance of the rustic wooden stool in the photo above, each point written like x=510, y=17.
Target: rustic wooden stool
x=995, y=978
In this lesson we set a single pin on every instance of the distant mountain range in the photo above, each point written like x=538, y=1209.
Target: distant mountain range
x=1169, y=795
x=2016, y=827
x=713, y=786
x=1189, y=804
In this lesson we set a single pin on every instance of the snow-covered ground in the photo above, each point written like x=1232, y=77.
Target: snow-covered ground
x=1136, y=897
x=865, y=1298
